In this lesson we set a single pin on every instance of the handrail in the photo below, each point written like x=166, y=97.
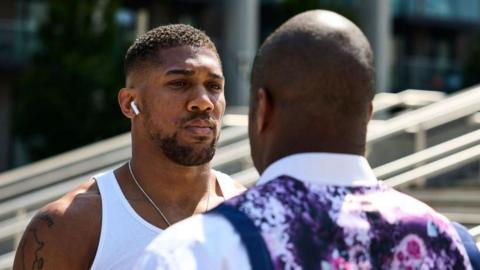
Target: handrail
x=16, y=226
x=62, y=160
x=227, y=154
x=436, y=168
x=6, y=260
x=460, y=105
x=91, y=151
x=251, y=175
x=247, y=177
x=231, y=153
x=82, y=161
x=45, y=194
x=475, y=231
x=233, y=145
x=409, y=98
x=123, y=141
x=41, y=196
x=57, y=168
x=426, y=155
x=87, y=166
x=448, y=163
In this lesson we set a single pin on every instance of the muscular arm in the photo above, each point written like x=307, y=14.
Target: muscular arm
x=31, y=250
x=63, y=234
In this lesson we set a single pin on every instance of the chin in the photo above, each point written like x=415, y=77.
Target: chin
x=200, y=140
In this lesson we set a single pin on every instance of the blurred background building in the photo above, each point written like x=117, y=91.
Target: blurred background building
x=61, y=62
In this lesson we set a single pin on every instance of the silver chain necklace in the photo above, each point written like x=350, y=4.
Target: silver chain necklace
x=153, y=203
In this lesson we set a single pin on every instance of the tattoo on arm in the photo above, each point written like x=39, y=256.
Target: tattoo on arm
x=47, y=219
x=38, y=260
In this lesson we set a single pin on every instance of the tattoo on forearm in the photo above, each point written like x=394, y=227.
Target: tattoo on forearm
x=47, y=219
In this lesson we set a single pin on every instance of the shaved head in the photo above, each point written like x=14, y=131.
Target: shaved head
x=317, y=70
x=320, y=55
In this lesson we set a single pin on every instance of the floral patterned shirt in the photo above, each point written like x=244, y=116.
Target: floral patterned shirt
x=309, y=226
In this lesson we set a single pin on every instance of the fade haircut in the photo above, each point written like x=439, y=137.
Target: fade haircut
x=145, y=49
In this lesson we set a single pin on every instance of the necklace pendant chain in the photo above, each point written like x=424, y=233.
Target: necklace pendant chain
x=153, y=203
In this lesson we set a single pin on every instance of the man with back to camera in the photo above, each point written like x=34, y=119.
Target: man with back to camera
x=317, y=204
x=174, y=97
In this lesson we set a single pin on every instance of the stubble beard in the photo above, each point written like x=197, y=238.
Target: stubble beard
x=185, y=155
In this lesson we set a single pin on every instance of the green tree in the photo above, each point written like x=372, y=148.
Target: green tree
x=67, y=97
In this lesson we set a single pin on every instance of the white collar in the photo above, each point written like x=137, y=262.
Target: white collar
x=322, y=169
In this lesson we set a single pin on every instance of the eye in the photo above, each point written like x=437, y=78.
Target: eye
x=178, y=84
x=216, y=87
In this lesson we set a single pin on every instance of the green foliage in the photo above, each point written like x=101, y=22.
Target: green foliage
x=67, y=97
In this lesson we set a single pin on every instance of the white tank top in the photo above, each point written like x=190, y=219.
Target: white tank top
x=124, y=233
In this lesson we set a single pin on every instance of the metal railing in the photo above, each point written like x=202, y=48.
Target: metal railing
x=23, y=190
x=111, y=152
x=86, y=160
x=435, y=168
x=409, y=99
x=475, y=232
x=52, y=169
x=458, y=106
x=25, y=202
x=434, y=152
x=6, y=260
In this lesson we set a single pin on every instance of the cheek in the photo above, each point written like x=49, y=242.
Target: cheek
x=168, y=109
x=220, y=106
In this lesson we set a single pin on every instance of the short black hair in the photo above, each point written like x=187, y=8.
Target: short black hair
x=146, y=47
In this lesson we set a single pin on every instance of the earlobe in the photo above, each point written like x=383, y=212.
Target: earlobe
x=125, y=98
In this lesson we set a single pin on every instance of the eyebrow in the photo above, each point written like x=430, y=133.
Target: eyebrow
x=189, y=72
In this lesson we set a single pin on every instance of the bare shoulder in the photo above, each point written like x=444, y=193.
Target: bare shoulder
x=63, y=234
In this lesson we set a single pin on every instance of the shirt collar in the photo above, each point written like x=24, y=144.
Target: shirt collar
x=322, y=169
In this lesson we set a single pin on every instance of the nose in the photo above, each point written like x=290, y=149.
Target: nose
x=200, y=101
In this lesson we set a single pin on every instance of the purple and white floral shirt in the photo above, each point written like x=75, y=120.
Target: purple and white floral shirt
x=308, y=226
x=313, y=215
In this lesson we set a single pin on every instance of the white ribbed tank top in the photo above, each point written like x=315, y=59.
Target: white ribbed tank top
x=124, y=233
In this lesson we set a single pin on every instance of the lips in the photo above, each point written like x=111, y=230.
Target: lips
x=200, y=127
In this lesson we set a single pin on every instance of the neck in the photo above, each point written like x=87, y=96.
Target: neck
x=289, y=143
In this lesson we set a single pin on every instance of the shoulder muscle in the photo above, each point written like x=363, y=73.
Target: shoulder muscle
x=63, y=234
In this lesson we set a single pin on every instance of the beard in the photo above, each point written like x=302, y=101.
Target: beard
x=186, y=155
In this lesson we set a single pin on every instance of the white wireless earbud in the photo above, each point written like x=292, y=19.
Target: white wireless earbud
x=135, y=108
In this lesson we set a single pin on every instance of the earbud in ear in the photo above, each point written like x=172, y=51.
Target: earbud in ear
x=135, y=108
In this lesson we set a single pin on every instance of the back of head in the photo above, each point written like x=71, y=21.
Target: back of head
x=317, y=68
x=145, y=49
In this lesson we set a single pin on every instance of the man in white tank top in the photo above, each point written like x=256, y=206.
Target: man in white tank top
x=175, y=100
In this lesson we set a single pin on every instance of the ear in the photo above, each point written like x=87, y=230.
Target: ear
x=125, y=97
x=264, y=110
x=370, y=111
